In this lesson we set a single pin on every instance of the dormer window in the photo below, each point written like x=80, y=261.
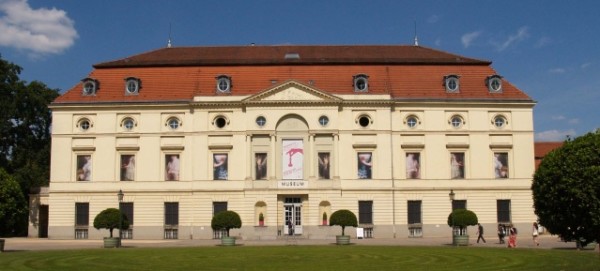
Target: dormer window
x=452, y=83
x=90, y=86
x=132, y=85
x=361, y=83
x=494, y=83
x=223, y=84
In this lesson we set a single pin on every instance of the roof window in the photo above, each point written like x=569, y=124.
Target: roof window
x=361, y=82
x=132, y=85
x=452, y=83
x=223, y=84
x=494, y=83
x=90, y=86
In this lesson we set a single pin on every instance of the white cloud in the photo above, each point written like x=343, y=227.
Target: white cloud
x=438, y=42
x=521, y=35
x=573, y=121
x=433, y=19
x=554, y=135
x=586, y=65
x=467, y=39
x=559, y=117
x=543, y=41
x=557, y=70
x=39, y=31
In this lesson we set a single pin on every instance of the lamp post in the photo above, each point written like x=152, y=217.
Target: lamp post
x=451, y=195
x=120, y=195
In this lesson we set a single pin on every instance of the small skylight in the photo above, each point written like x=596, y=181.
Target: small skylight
x=292, y=56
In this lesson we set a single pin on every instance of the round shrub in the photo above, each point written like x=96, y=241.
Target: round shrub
x=226, y=220
x=343, y=218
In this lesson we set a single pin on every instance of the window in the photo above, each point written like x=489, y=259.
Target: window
x=323, y=120
x=84, y=168
x=132, y=85
x=219, y=206
x=457, y=165
x=365, y=164
x=456, y=121
x=459, y=204
x=501, y=165
x=500, y=121
x=365, y=212
x=128, y=124
x=361, y=83
x=127, y=167
x=413, y=165
x=223, y=84
x=220, y=166
x=172, y=167
x=452, y=83
x=412, y=121
x=503, y=210
x=364, y=121
x=220, y=122
x=90, y=86
x=261, y=121
x=324, y=165
x=84, y=124
x=494, y=83
x=82, y=220
x=415, y=226
x=127, y=209
x=171, y=219
x=261, y=166
x=173, y=123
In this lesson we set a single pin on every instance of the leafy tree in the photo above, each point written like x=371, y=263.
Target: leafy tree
x=343, y=218
x=109, y=219
x=566, y=190
x=226, y=220
x=25, y=122
x=13, y=206
x=462, y=218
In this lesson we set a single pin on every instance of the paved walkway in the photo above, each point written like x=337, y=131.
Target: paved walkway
x=26, y=244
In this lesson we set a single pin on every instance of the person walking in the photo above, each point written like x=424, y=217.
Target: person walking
x=480, y=233
x=501, y=233
x=512, y=238
x=535, y=234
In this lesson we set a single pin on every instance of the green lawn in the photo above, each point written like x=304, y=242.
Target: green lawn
x=292, y=258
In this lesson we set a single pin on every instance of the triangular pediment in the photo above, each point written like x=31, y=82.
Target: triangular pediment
x=292, y=91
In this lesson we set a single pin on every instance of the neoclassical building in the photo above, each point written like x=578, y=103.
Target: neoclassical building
x=289, y=133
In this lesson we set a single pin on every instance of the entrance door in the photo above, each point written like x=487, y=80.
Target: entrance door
x=293, y=213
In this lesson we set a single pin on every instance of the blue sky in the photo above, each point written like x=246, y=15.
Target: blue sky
x=549, y=49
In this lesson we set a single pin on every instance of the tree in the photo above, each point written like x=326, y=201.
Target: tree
x=462, y=218
x=25, y=122
x=226, y=220
x=109, y=219
x=343, y=218
x=13, y=206
x=566, y=190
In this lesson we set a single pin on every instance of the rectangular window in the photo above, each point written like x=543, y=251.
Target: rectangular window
x=501, y=165
x=84, y=168
x=365, y=164
x=172, y=213
x=261, y=166
x=172, y=167
x=413, y=165
x=503, y=210
x=82, y=214
x=457, y=165
x=127, y=209
x=365, y=212
x=127, y=167
x=219, y=206
x=220, y=166
x=292, y=159
x=459, y=204
x=414, y=212
x=324, y=165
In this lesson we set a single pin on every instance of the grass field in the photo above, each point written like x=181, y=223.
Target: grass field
x=346, y=258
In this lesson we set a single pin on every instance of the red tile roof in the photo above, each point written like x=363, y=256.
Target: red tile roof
x=404, y=72
x=541, y=149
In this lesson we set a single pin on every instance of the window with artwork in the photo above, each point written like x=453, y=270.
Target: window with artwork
x=172, y=167
x=84, y=168
x=457, y=165
x=501, y=165
x=324, y=165
x=365, y=165
x=261, y=166
x=127, y=167
x=413, y=165
x=292, y=159
x=220, y=166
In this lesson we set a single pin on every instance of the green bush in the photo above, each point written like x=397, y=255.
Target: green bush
x=343, y=218
x=109, y=219
x=226, y=220
x=462, y=218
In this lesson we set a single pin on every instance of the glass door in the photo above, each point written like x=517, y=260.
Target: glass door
x=293, y=216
